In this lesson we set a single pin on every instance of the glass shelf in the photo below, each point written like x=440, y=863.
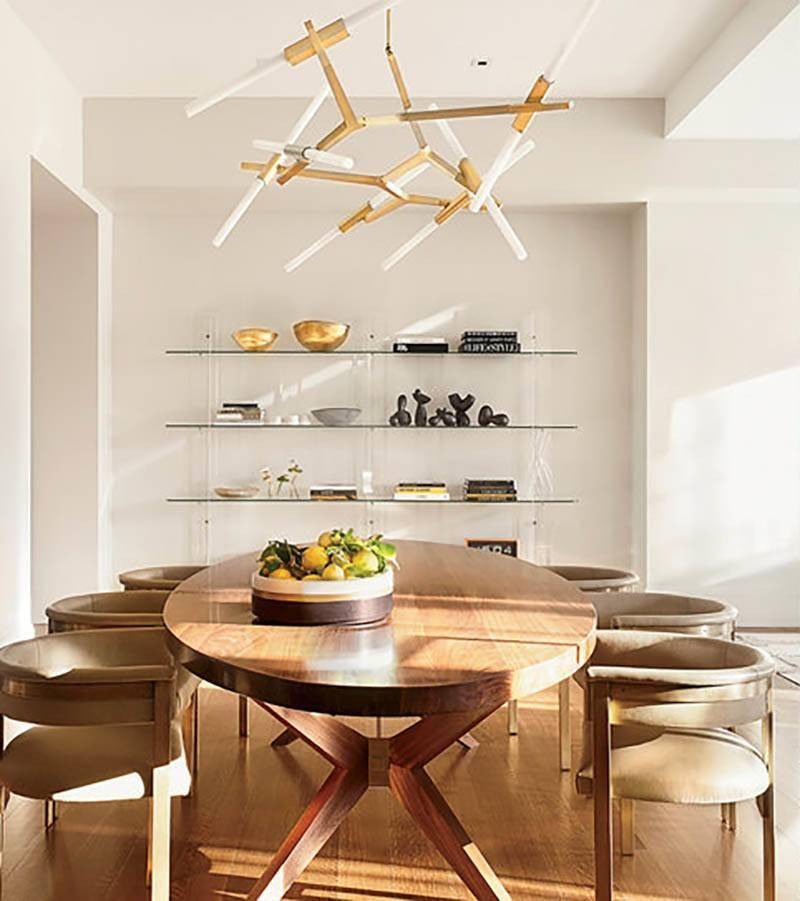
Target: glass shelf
x=244, y=426
x=365, y=500
x=233, y=352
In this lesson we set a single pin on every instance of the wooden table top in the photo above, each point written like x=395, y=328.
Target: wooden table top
x=469, y=629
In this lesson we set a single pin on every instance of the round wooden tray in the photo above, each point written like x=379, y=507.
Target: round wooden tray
x=292, y=603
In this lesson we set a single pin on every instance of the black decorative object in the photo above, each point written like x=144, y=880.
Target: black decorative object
x=443, y=417
x=487, y=417
x=401, y=417
x=461, y=405
x=420, y=416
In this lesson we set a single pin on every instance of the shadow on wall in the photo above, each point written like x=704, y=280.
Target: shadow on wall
x=725, y=514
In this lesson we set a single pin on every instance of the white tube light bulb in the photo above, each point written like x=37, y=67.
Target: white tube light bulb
x=308, y=154
x=551, y=73
x=497, y=168
x=368, y=12
x=418, y=238
x=265, y=66
x=239, y=210
x=499, y=219
x=396, y=189
x=397, y=184
x=314, y=248
x=308, y=113
x=520, y=153
x=450, y=136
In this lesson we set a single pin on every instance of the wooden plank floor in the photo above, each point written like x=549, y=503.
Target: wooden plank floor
x=521, y=812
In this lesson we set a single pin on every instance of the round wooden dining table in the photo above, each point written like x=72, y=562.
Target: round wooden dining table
x=469, y=631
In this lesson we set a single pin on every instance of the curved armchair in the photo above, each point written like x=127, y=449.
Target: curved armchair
x=665, y=613
x=660, y=707
x=106, y=711
x=107, y=610
x=158, y=578
x=597, y=580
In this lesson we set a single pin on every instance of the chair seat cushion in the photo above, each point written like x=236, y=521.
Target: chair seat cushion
x=89, y=763
x=701, y=766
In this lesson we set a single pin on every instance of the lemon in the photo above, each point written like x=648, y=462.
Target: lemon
x=366, y=562
x=312, y=577
x=315, y=558
x=333, y=573
x=281, y=573
x=325, y=539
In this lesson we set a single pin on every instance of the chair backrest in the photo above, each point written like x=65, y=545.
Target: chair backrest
x=666, y=680
x=158, y=578
x=663, y=612
x=89, y=678
x=595, y=578
x=107, y=610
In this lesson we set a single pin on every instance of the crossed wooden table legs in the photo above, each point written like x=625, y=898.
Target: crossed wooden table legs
x=397, y=763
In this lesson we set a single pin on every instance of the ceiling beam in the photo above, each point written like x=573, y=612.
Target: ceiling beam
x=745, y=32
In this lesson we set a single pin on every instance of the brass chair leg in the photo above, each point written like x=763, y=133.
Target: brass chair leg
x=148, y=881
x=729, y=816
x=564, y=728
x=628, y=830
x=160, y=831
x=244, y=717
x=513, y=717
x=50, y=814
x=601, y=793
x=768, y=831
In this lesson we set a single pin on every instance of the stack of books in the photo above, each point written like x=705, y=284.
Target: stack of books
x=239, y=412
x=489, y=343
x=333, y=492
x=421, y=491
x=420, y=344
x=490, y=490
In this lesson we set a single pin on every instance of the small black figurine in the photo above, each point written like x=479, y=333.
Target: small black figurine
x=402, y=416
x=420, y=416
x=461, y=405
x=487, y=416
x=443, y=417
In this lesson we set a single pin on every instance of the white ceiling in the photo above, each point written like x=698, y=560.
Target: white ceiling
x=181, y=48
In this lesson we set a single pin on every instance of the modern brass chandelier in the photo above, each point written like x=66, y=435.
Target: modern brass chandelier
x=292, y=158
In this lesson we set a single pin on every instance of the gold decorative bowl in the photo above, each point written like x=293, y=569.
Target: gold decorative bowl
x=255, y=339
x=317, y=335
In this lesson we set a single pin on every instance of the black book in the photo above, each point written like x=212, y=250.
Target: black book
x=494, y=347
x=482, y=335
x=413, y=347
x=506, y=483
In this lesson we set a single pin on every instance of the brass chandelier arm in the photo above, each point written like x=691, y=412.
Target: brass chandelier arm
x=464, y=112
x=399, y=81
x=339, y=134
x=537, y=93
x=301, y=50
x=339, y=95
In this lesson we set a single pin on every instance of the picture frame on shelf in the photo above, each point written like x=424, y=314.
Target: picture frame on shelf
x=506, y=547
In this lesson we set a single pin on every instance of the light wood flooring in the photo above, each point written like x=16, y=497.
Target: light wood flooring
x=523, y=814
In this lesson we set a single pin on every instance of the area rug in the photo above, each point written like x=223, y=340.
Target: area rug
x=783, y=646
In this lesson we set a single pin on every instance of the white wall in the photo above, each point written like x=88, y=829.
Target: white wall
x=41, y=119
x=723, y=498
x=576, y=291
x=64, y=393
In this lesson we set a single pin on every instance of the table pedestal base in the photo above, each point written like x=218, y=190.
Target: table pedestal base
x=396, y=763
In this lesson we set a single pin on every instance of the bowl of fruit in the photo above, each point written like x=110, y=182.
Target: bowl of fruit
x=340, y=578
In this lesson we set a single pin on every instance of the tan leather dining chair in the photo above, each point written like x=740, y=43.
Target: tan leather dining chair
x=658, y=716
x=167, y=579
x=594, y=579
x=105, y=708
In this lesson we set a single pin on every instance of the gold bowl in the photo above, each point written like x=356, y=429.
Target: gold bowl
x=255, y=339
x=317, y=335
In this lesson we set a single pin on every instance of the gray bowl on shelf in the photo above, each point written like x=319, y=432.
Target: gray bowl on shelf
x=337, y=416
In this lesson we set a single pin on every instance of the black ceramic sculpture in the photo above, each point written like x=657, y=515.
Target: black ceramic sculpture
x=461, y=405
x=420, y=416
x=487, y=417
x=443, y=417
x=401, y=417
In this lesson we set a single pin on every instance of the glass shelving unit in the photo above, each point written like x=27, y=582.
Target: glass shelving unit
x=369, y=377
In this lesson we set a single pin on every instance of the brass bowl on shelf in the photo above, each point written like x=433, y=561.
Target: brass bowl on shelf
x=318, y=335
x=255, y=339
